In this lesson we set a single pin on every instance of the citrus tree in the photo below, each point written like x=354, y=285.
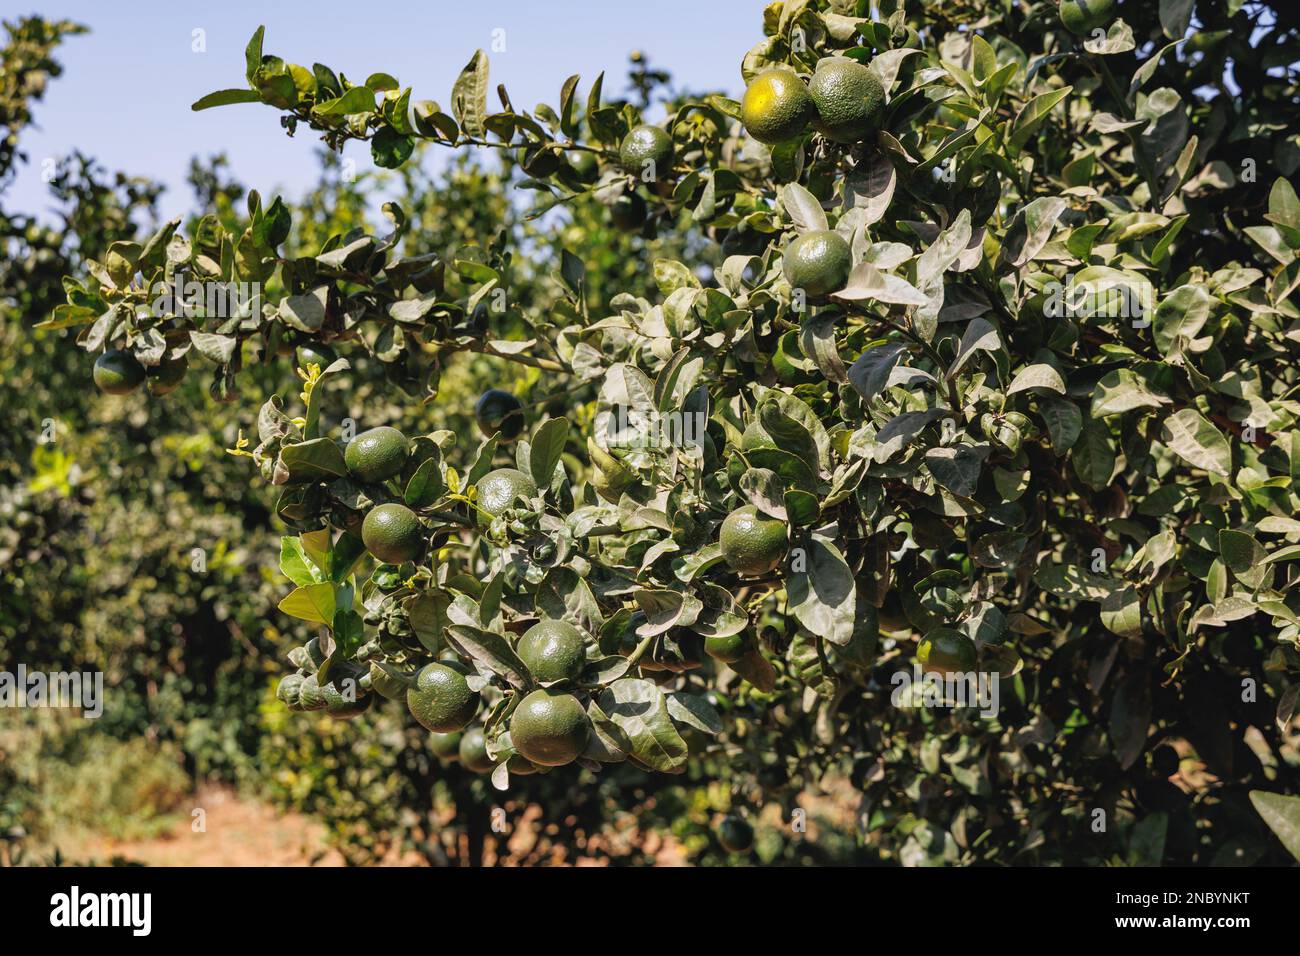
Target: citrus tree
x=969, y=348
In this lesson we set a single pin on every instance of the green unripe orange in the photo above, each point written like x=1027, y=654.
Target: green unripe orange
x=314, y=353
x=441, y=699
x=817, y=262
x=1081, y=17
x=446, y=747
x=726, y=649
x=118, y=372
x=499, y=413
x=628, y=212
x=646, y=149
x=946, y=651
x=776, y=106
x=553, y=651
x=735, y=835
x=497, y=490
x=473, y=751
x=549, y=728
x=848, y=97
x=167, y=377
x=377, y=455
x=752, y=542
x=392, y=533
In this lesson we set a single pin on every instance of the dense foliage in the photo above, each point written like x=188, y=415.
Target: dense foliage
x=990, y=359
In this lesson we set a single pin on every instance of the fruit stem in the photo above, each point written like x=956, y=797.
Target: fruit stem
x=641, y=648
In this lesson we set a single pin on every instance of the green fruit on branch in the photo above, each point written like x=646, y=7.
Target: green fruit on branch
x=473, y=751
x=776, y=106
x=499, y=413
x=1081, y=17
x=314, y=353
x=550, y=728
x=726, y=649
x=817, y=262
x=848, y=97
x=946, y=651
x=441, y=699
x=118, y=372
x=646, y=149
x=392, y=533
x=497, y=490
x=341, y=698
x=167, y=376
x=628, y=212
x=377, y=455
x=735, y=834
x=753, y=543
x=553, y=651
x=446, y=747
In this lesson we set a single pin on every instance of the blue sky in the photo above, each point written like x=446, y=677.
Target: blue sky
x=127, y=86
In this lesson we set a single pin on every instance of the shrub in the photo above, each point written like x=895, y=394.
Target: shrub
x=1048, y=409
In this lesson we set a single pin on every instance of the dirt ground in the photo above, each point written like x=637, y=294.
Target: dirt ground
x=236, y=832
x=240, y=831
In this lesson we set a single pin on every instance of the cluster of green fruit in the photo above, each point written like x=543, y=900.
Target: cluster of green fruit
x=548, y=726
x=119, y=372
x=646, y=154
x=842, y=101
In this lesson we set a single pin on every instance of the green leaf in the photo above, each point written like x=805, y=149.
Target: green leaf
x=870, y=373
x=427, y=612
x=1194, y=439
x=1130, y=718
x=545, y=450
x=295, y=565
x=313, y=602
x=957, y=467
x=1121, y=612
x=305, y=312
x=225, y=98
x=821, y=591
x=1033, y=114
x=253, y=53
x=359, y=99
x=804, y=208
x=1122, y=390
x=425, y=486
x=493, y=651
x=469, y=95
x=390, y=149
x=640, y=710
x=980, y=336
x=1179, y=317
x=1282, y=814
x=1039, y=376
x=1093, y=455
x=313, y=460
x=1064, y=422
x=665, y=609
